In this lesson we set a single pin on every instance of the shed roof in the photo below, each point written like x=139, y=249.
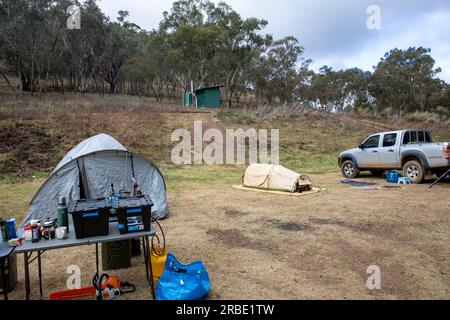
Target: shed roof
x=208, y=88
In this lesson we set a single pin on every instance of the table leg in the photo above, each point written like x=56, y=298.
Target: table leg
x=97, y=259
x=40, y=272
x=27, y=276
x=4, y=280
x=148, y=266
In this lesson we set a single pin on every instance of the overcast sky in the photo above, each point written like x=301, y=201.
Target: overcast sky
x=333, y=32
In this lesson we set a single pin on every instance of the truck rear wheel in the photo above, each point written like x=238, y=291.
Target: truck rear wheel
x=349, y=170
x=414, y=170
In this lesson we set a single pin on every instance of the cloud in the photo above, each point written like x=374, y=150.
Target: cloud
x=333, y=32
x=427, y=31
x=145, y=13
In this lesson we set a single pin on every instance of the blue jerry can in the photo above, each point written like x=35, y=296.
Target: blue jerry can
x=392, y=177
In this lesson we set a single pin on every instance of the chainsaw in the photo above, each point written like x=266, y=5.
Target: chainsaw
x=104, y=288
x=110, y=287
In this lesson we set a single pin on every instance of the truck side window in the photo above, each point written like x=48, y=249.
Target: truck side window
x=413, y=136
x=406, y=138
x=427, y=137
x=421, y=136
x=372, y=142
x=389, y=140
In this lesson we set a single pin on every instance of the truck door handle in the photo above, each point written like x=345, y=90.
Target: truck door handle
x=375, y=151
x=391, y=151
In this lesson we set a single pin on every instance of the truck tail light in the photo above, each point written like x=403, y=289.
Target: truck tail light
x=447, y=151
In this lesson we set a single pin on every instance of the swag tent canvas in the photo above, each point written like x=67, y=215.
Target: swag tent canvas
x=275, y=177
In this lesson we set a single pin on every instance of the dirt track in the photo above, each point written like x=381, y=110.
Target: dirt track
x=263, y=246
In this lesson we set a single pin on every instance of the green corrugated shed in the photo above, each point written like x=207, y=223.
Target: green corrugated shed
x=208, y=97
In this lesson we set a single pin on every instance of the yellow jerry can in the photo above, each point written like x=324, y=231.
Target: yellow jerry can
x=159, y=257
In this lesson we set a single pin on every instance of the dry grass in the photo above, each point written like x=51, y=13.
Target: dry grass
x=271, y=113
x=38, y=131
x=426, y=117
x=49, y=106
x=262, y=246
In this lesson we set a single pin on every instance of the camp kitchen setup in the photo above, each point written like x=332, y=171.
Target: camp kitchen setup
x=99, y=194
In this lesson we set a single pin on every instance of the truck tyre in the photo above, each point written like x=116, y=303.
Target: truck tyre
x=414, y=170
x=349, y=170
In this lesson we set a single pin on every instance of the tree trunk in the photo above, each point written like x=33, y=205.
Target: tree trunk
x=25, y=82
x=7, y=81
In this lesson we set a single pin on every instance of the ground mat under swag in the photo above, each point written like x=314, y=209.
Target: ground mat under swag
x=313, y=190
x=354, y=183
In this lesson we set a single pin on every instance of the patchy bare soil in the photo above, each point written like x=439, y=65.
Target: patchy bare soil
x=27, y=147
x=264, y=246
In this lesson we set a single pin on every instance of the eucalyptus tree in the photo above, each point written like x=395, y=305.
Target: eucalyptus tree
x=241, y=45
x=212, y=44
x=404, y=80
x=121, y=45
x=28, y=30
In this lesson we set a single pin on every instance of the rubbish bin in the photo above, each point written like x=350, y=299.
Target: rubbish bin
x=10, y=273
x=116, y=255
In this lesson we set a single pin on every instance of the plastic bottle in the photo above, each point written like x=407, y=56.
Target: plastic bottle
x=28, y=233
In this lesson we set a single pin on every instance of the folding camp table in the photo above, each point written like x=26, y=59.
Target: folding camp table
x=39, y=248
x=5, y=253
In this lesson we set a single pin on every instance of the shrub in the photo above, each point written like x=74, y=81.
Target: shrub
x=426, y=117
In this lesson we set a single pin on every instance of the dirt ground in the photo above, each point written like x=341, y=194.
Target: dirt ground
x=265, y=246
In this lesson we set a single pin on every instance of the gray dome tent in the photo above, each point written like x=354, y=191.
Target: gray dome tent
x=88, y=171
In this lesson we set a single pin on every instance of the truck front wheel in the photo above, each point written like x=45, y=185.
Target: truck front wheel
x=349, y=170
x=414, y=170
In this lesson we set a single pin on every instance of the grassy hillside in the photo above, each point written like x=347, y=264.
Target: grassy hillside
x=36, y=132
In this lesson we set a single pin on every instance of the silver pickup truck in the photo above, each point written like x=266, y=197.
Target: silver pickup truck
x=412, y=151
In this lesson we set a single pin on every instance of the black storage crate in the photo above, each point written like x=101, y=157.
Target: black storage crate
x=91, y=218
x=134, y=214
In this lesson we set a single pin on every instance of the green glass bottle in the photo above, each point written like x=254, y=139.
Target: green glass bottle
x=63, y=213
